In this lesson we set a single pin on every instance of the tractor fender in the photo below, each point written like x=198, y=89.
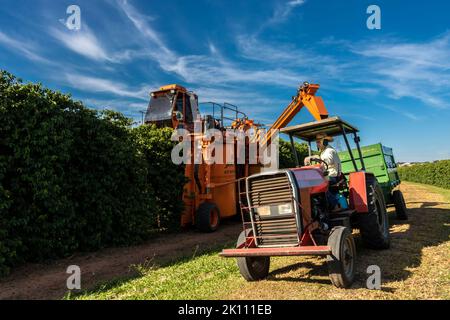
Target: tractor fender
x=358, y=191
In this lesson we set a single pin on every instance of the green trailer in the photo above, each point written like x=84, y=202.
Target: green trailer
x=380, y=161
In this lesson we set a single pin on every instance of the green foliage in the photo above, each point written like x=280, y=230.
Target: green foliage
x=287, y=157
x=436, y=174
x=166, y=178
x=72, y=179
x=116, y=117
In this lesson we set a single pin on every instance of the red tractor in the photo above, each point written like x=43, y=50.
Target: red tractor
x=286, y=212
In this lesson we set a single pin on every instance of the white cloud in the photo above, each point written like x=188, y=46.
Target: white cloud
x=156, y=46
x=100, y=85
x=282, y=12
x=404, y=113
x=252, y=48
x=418, y=70
x=23, y=47
x=386, y=68
x=211, y=69
x=290, y=57
x=83, y=42
x=234, y=95
x=428, y=54
x=212, y=48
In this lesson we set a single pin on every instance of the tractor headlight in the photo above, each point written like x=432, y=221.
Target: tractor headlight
x=264, y=211
x=285, y=208
x=281, y=209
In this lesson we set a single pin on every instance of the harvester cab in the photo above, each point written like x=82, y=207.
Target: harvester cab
x=175, y=107
x=286, y=212
x=172, y=106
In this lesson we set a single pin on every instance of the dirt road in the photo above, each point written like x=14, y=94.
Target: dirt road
x=48, y=281
x=415, y=267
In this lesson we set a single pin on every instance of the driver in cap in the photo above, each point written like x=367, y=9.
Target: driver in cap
x=330, y=156
x=327, y=154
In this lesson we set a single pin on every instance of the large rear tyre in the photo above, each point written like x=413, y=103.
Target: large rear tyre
x=400, y=205
x=207, y=218
x=374, y=225
x=252, y=268
x=341, y=262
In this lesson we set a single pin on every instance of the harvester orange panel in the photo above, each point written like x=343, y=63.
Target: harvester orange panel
x=305, y=97
x=172, y=87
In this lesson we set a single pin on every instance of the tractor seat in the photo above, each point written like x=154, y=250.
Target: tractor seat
x=340, y=184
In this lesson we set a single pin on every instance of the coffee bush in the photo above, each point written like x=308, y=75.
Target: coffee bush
x=436, y=173
x=73, y=179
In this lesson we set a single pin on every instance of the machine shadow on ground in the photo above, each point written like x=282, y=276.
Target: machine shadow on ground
x=427, y=226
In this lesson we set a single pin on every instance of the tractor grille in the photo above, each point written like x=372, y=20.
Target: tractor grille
x=265, y=190
x=272, y=190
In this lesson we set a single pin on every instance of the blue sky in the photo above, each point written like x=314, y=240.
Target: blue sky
x=393, y=83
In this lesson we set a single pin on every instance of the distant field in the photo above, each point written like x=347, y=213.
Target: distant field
x=416, y=267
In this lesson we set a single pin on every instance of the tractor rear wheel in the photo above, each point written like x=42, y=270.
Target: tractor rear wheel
x=207, y=218
x=374, y=225
x=252, y=268
x=400, y=205
x=341, y=261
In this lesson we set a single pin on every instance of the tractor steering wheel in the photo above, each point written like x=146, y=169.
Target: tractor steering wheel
x=320, y=161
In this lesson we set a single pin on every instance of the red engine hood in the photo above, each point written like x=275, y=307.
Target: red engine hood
x=311, y=178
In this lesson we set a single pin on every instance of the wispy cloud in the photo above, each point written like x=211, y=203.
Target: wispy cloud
x=254, y=103
x=353, y=115
x=427, y=54
x=83, y=42
x=283, y=11
x=394, y=69
x=409, y=69
x=214, y=70
x=407, y=114
x=155, y=45
x=280, y=14
x=211, y=69
x=292, y=58
x=140, y=21
x=252, y=48
x=235, y=95
x=22, y=47
x=100, y=85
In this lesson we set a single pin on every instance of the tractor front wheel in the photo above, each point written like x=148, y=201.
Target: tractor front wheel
x=341, y=262
x=207, y=218
x=252, y=268
x=400, y=205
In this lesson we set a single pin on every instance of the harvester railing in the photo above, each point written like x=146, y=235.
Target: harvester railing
x=224, y=112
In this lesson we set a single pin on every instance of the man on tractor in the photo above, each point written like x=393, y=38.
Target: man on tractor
x=330, y=163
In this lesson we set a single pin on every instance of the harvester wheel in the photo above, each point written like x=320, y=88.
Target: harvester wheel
x=341, y=262
x=252, y=268
x=400, y=205
x=374, y=225
x=208, y=217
